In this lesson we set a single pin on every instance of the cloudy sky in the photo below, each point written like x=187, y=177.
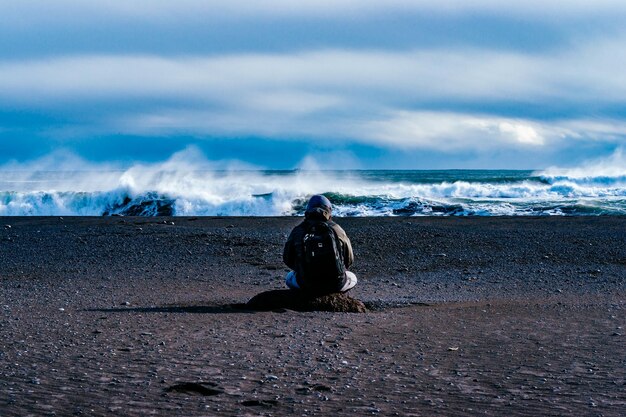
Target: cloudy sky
x=347, y=84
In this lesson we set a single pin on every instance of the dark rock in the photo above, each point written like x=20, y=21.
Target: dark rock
x=150, y=204
x=300, y=301
x=259, y=403
x=202, y=388
x=408, y=210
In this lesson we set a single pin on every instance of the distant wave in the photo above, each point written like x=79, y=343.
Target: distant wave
x=175, y=192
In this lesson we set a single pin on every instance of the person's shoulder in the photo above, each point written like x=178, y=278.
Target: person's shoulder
x=332, y=223
x=338, y=229
x=299, y=228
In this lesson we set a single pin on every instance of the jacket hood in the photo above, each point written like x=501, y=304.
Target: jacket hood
x=319, y=200
x=318, y=208
x=318, y=213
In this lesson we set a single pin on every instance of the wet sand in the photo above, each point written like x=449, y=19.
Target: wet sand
x=468, y=316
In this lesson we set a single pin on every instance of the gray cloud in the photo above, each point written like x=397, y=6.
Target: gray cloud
x=445, y=96
x=305, y=93
x=587, y=71
x=459, y=131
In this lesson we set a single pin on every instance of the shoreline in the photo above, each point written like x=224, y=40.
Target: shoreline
x=489, y=315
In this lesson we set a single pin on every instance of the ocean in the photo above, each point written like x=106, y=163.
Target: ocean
x=145, y=191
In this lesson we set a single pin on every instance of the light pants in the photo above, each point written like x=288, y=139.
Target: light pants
x=351, y=281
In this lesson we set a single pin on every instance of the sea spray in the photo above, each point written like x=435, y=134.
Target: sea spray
x=189, y=185
x=277, y=193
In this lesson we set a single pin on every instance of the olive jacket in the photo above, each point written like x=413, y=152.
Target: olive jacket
x=295, y=239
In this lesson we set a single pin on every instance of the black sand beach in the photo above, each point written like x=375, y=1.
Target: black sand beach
x=467, y=316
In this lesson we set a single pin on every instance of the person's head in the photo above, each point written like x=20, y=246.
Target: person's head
x=319, y=205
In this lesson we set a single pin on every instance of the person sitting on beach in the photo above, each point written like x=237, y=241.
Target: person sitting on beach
x=319, y=252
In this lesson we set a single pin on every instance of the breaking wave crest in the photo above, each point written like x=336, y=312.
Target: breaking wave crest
x=182, y=186
x=248, y=193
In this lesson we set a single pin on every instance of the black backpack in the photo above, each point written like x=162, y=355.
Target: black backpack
x=322, y=264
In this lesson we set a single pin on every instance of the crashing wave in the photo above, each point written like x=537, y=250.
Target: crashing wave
x=167, y=192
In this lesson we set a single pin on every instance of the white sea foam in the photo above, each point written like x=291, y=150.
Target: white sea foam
x=188, y=184
x=611, y=170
